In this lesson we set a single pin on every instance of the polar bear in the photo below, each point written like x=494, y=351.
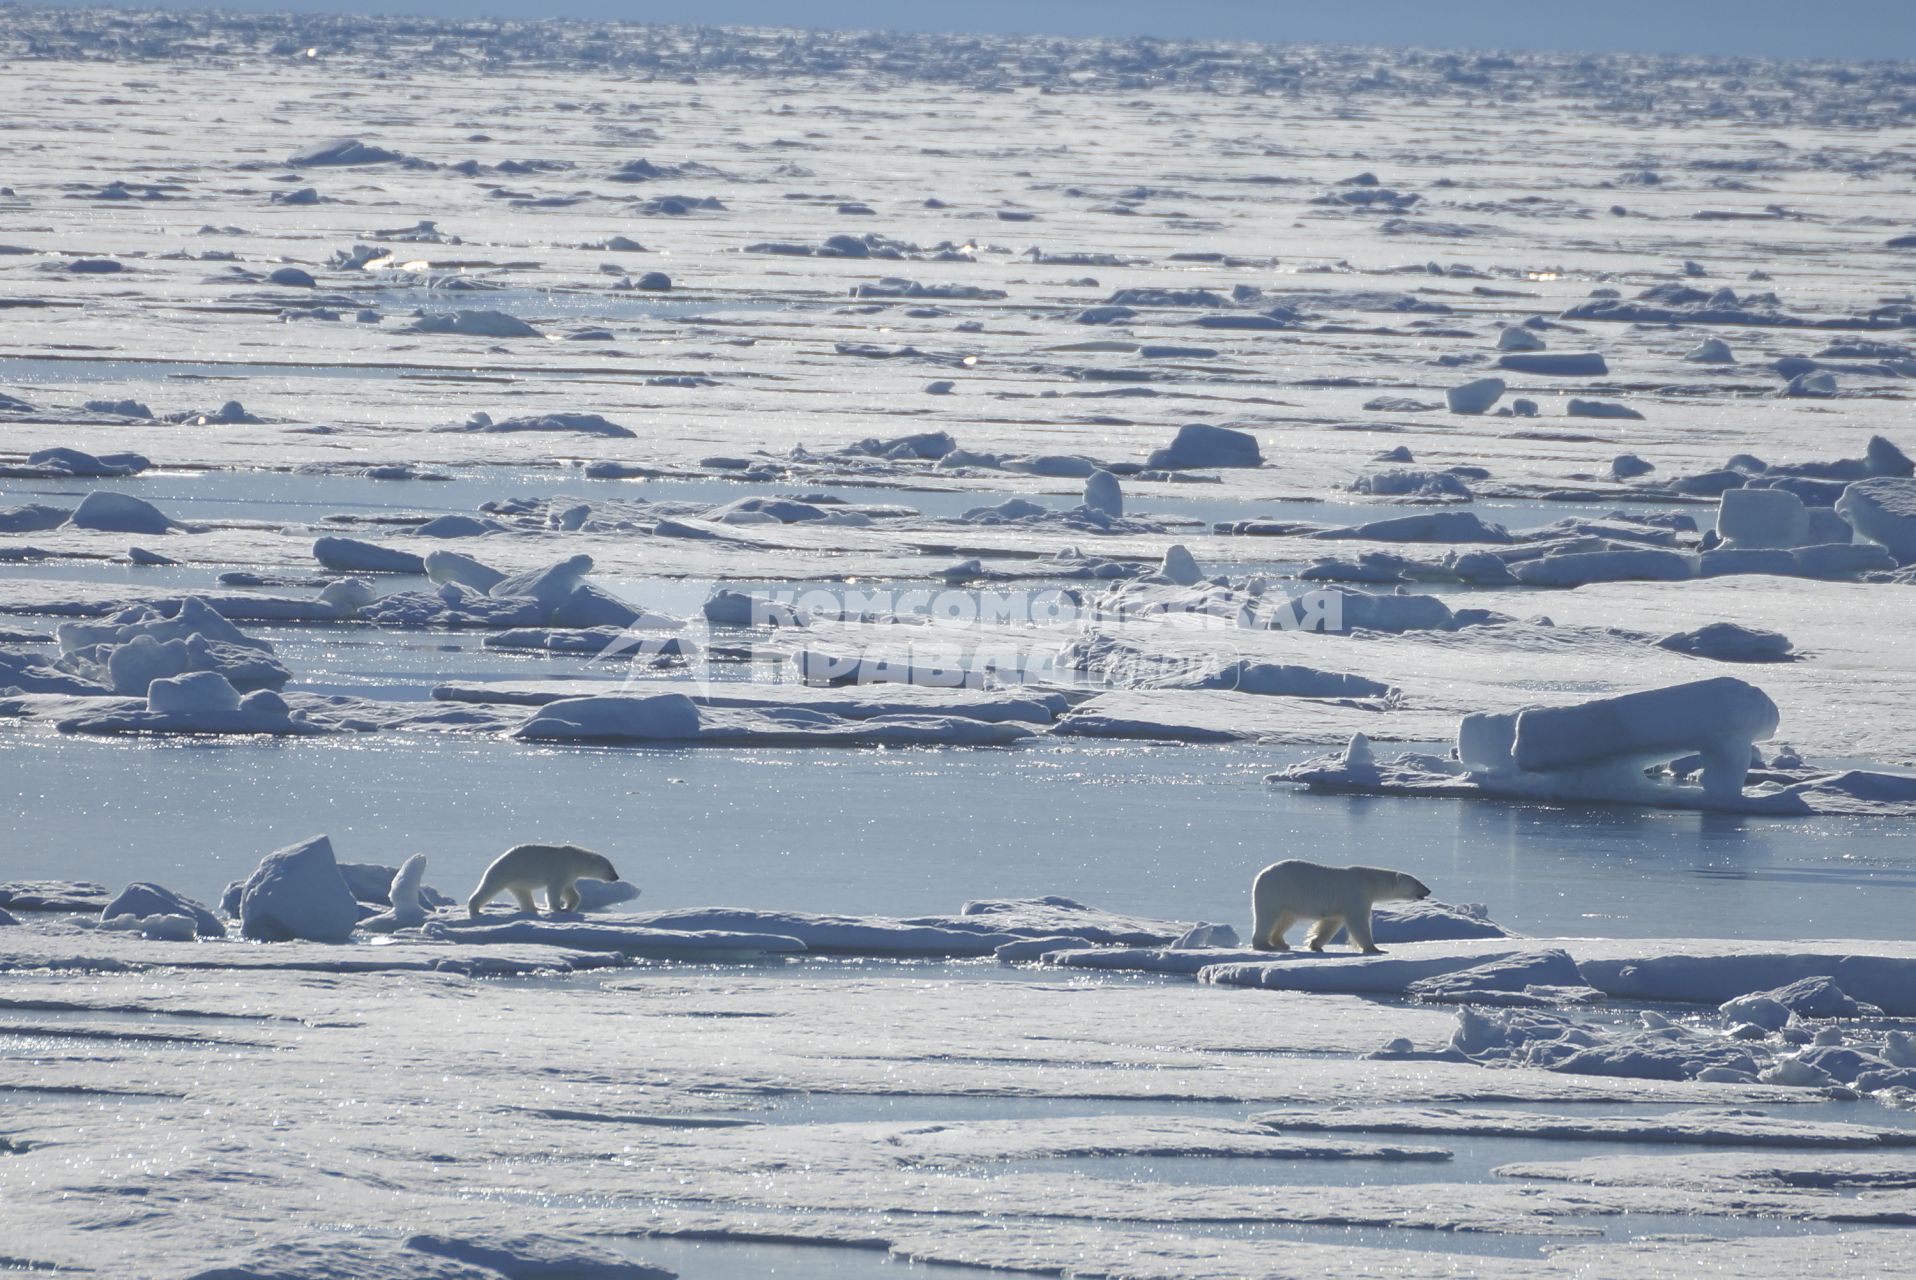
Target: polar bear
x=526, y=867
x=1286, y=892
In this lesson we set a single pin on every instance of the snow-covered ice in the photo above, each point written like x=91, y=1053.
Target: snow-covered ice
x=845, y=473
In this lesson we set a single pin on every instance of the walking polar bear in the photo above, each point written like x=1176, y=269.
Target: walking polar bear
x=1286, y=892
x=554, y=867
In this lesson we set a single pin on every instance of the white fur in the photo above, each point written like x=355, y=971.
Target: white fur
x=1286, y=892
x=555, y=867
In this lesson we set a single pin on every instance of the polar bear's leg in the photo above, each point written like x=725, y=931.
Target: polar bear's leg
x=524, y=895
x=477, y=902
x=571, y=896
x=1321, y=931
x=556, y=892
x=1272, y=938
x=1358, y=926
x=488, y=890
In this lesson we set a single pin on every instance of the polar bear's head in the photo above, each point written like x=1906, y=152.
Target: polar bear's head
x=1410, y=888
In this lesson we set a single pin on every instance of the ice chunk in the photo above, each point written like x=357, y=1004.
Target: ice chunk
x=1576, y=568
x=1485, y=741
x=665, y=717
x=118, y=513
x=1798, y=1074
x=350, y=555
x=457, y=526
x=927, y=446
x=1403, y=483
x=588, y=606
x=1813, y=384
x=589, y=424
x=142, y=899
x=449, y=566
x=1884, y=981
x=1842, y=559
x=734, y=609
x=1531, y=977
x=1762, y=518
x=1474, y=397
x=409, y=907
x=298, y=892
x=1812, y=997
x=340, y=152
x=1728, y=642
x=600, y=895
x=1285, y=680
x=1884, y=511
x=550, y=586
x=27, y=672
x=1556, y=364
x=1600, y=409
x=131, y=668
x=1180, y=568
x=348, y=594
x=1057, y=465
x=1431, y=526
x=1711, y=351
x=193, y=694
x=1055, y=915
x=193, y=616
x=1199, y=444
x=154, y=928
x=1102, y=493
x=476, y=324
x=1206, y=935
x=1347, y=609
x=73, y=462
x=32, y=518
x=1719, y=719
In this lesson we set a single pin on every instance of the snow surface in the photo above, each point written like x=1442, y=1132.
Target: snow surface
x=640, y=318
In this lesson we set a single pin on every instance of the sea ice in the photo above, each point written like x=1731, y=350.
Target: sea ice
x=141, y=900
x=350, y=555
x=1762, y=518
x=1202, y=445
x=475, y=324
x=1884, y=511
x=1728, y=642
x=118, y=513
x=1474, y=397
x=298, y=892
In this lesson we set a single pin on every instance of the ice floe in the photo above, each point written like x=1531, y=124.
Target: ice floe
x=1612, y=750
